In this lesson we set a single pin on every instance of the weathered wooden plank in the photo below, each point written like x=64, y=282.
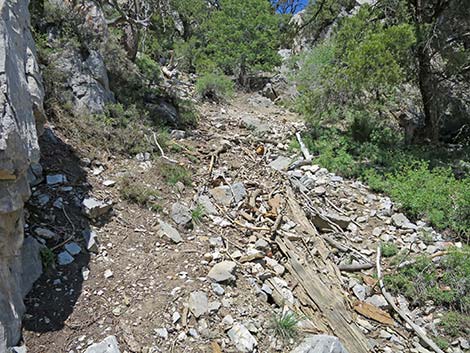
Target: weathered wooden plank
x=328, y=298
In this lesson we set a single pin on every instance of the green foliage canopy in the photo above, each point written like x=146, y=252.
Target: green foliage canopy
x=242, y=35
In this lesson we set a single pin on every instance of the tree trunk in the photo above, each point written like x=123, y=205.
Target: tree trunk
x=427, y=84
x=428, y=90
x=130, y=41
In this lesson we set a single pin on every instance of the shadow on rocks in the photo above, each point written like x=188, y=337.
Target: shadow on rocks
x=54, y=216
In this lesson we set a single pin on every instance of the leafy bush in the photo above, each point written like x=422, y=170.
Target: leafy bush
x=424, y=280
x=148, y=67
x=435, y=193
x=239, y=37
x=188, y=113
x=389, y=249
x=423, y=191
x=214, y=87
x=355, y=76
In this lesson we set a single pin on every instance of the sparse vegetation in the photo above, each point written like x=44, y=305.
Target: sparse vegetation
x=446, y=283
x=389, y=249
x=197, y=214
x=175, y=173
x=455, y=324
x=285, y=325
x=47, y=258
x=140, y=194
x=441, y=342
x=412, y=176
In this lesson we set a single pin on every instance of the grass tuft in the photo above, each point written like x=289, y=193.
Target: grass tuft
x=140, y=194
x=197, y=214
x=47, y=258
x=285, y=325
x=175, y=173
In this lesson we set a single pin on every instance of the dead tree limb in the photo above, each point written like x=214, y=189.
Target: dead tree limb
x=161, y=150
x=303, y=148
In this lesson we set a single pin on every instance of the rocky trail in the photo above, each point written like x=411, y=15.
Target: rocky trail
x=260, y=232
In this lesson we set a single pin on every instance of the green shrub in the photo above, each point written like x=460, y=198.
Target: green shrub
x=354, y=77
x=175, y=173
x=362, y=127
x=240, y=37
x=435, y=193
x=188, y=113
x=214, y=87
x=455, y=324
x=423, y=191
x=148, y=67
x=389, y=249
x=447, y=285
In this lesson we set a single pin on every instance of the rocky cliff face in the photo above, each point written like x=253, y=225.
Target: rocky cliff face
x=21, y=113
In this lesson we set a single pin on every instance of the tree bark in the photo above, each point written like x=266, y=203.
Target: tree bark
x=428, y=89
x=426, y=82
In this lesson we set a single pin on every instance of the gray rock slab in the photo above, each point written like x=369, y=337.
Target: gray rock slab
x=108, y=345
x=281, y=163
x=378, y=301
x=31, y=264
x=56, y=179
x=94, y=208
x=21, y=120
x=198, y=303
x=320, y=344
x=360, y=291
x=239, y=192
x=168, y=231
x=401, y=221
x=64, y=258
x=222, y=195
x=180, y=214
x=242, y=338
x=223, y=272
x=21, y=349
x=255, y=123
x=73, y=248
x=45, y=233
x=342, y=221
x=91, y=240
x=209, y=207
x=43, y=199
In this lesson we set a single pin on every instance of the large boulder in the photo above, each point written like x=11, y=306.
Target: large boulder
x=21, y=118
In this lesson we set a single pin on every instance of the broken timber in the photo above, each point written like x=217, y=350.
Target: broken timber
x=323, y=290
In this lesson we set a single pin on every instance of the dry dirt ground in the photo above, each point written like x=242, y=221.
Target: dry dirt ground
x=152, y=278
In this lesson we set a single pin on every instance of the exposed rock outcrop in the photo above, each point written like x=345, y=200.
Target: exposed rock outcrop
x=21, y=97
x=86, y=80
x=81, y=70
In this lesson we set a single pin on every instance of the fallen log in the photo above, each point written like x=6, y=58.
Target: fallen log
x=355, y=267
